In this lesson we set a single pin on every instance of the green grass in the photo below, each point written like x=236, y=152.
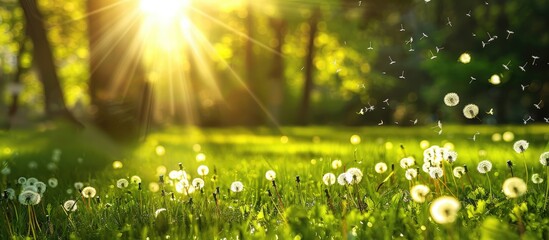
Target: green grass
x=368, y=210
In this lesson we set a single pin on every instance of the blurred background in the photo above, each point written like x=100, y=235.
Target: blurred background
x=127, y=66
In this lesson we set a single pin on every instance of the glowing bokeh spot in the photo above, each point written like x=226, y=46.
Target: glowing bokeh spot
x=163, y=11
x=495, y=79
x=284, y=139
x=388, y=145
x=160, y=150
x=508, y=136
x=424, y=144
x=117, y=165
x=197, y=147
x=161, y=170
x=355, y=139
x=200, y=157
x=496, y=137
x=465, y=58
x=449, y=145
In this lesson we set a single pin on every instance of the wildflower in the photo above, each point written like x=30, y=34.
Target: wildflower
x=380, y=167
x=53, y=182
x=470, y=111
x=342, y=179
x=40, y=187
x=354, y=175
x=135, y=179
x=203, y=170
x=419, y=192
x=536, y=178
x=89, y=192
x=436, y=172
x=514, y=187
x=484, y=166
x=336, y=164
x=544, y=158
x=411, y=173
x=237, y=186
x=450, y=156
x=451, y=99
x=29, y=198
x=445, y=209
x=520, y=146
x=122, y=183
x=459, y=171
x=78, y=185
x=329, y=179
x=22, y=180
x=198, y=183
x=70, y=206
x=407, y=162
x=270, y=175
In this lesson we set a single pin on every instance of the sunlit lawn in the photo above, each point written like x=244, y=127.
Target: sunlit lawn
x=379, y=206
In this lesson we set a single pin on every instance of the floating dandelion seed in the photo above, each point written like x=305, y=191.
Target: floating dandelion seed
x=436, y=172
x=336, y=164
x=354, y=176
x=29, y=198
x=470, y=111
x=514, y=187
x=270, y=175
x=459, y=171
x=411, y=173
x=451, y=99
x=484, y=166
x=122, y=183
x=380, y=167
x=444, y=209
x=203, y=170
x=544, y=158
x=198, y=183
x=419, y=193
x=53, y=182
x=520, y=146
x=536, y=179
x=329, y=179
x=237, y=186
x=342, y=179
x=89, y=192
x=70, y=206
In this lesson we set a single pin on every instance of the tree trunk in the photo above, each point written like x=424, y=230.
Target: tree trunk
x=304, y=109
x=117, y=84
x=277, y=70
x=43, y=60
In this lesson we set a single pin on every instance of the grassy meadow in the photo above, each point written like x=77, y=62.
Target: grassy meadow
x=149, y=190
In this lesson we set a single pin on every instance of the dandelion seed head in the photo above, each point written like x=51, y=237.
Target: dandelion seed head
x=444, y=209
x=544, y=158
x=451, y=99
x=70, y=206
x=336, y=164
x=21, y=180
x=470, y=111
x=450, y=156
x=484, y=166
x=31, y=181
x=88, y=192
x=536, y=179
x=354, y=176
x=29, y=198
x=410, y=173
x=329, y=179
x=436, y=172
x=122, y=183
x=40, y=187
x=203, y=170
x=520, y=146
x=419, y=193
x=407, y=162
x=237, y=186
x=458, y=171
x=380, y=167
x=514, y=187
x=30, y=188
x=342, y=179
x=10, y=193
x=78, y=185
x=198, y=183
x=135, y=179
x=270, y=175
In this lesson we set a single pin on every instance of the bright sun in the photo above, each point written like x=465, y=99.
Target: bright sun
x=164, y=10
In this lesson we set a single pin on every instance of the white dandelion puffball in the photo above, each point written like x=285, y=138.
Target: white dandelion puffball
x=342, y=179
x=407, y=162
x=450, y=156
x=203, y=170
x=329, y=179
x=336, y=164
x=270, y=175
x=122, y=183
x=451, y=99
x=22, y=180
x=459, y=171
x=426, y=167
x=544, y=158
x=40, y=187
x=514, y=187
x=198, y=183
x=88, y=192
x=78, y=185
x=29, y=198
x=70, y=206
x=536, y=179
x=410, y=174
x=237, y=186
x=484, y=166
x=520, y=146
x=135, y=179
x=470, y=111
x=10, y=193
x=30, y=188
x=380, y=167
x=445, y=209
x=31, y=181
x=436, y=172
x=354, y=176
x=419, y=192
x=53, y=182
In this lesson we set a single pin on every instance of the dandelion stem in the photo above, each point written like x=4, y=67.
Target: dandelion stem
x=526, y=167
x=490, y=185
x=547, y=189
x=447, y=188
